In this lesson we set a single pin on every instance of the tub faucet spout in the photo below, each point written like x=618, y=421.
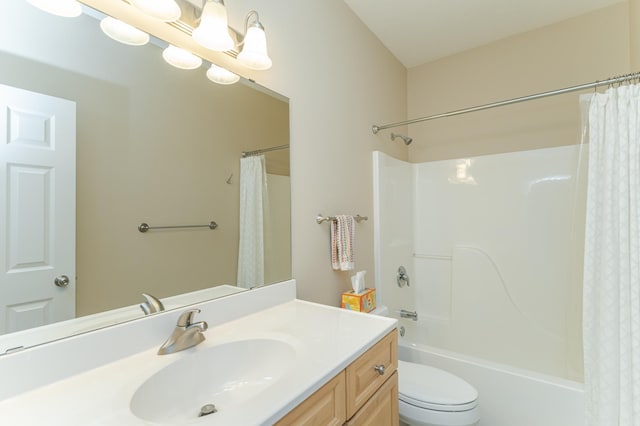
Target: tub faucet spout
x=409, y=314
x=186, y=334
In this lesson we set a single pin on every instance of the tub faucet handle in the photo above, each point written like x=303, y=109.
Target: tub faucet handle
x=402, y=278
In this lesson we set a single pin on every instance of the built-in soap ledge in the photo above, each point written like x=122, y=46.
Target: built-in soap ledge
x=38, y=366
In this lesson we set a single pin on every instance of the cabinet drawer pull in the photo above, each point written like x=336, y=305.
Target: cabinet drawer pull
x=379, y=369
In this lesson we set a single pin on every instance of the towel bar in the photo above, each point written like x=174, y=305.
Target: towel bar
x=143, y=227
x=320, y=218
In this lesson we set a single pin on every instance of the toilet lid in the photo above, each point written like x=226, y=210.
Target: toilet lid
x=434, y=389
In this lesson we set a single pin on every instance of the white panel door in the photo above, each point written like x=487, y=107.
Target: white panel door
x=37, y=209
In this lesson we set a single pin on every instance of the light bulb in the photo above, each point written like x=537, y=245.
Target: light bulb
x=221, y=75
x=254, y=50
x=123, y=32
x=181, y=58
x=65, y=8
x=163, y=10
x=254, y=53
x=213, y=31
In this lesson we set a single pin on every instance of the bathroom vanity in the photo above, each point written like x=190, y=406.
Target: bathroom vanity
x=366, y=392
x=268, y=358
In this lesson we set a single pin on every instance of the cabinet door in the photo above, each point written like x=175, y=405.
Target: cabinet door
x=366, y=374
x=325, y=407
x=382, y=408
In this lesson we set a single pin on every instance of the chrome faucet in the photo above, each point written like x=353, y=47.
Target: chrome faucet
x=409, y=314
x=186, y=334
x=151, y=305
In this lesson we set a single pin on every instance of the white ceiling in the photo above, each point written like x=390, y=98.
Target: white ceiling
x=419, y=31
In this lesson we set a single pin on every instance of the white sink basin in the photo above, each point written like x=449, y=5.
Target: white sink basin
x=225, y=375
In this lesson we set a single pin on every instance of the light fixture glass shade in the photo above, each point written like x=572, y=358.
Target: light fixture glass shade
x=66, y=8
x=213, y=31
x=181, y=58
x=254, y=52
x=123, y=32
x=221, y=75
x=163, y=10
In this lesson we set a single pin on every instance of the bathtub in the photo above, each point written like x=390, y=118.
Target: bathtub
x=508, y=396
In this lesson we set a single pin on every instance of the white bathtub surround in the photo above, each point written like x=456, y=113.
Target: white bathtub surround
x=254, y=203
x=612, y=260
x=324, y=340
x=493, y=246
x=508, y=396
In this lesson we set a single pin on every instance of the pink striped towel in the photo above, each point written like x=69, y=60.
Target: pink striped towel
x=342, y=239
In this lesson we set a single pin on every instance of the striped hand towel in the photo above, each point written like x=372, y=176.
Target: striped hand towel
x=342, y=239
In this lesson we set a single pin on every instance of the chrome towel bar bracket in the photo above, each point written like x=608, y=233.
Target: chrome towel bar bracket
x=144, y=227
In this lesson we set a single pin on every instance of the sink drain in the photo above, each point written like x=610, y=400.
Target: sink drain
x=207, y=409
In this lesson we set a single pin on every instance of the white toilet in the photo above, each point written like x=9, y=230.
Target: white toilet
x=432, y=397
x=429, y=396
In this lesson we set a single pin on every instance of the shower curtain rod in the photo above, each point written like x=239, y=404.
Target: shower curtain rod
x=614, y=80
x=260, y=151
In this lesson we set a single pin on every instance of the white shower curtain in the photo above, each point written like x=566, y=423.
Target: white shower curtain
x=611, y=311
x=253, y=199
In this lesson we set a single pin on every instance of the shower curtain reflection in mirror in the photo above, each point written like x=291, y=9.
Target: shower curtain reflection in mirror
x=254, y=202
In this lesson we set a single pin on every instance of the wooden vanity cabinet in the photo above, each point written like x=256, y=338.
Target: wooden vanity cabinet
x=365, y=393
x=382, y=408
x=327, y=406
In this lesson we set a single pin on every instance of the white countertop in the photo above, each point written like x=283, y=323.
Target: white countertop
x=325, y=340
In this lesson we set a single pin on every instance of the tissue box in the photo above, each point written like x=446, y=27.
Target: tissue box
x=361, y=302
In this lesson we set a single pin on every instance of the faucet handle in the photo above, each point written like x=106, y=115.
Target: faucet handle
x=186, y=318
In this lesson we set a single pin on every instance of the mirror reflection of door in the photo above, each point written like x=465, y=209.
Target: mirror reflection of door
x=37, y=233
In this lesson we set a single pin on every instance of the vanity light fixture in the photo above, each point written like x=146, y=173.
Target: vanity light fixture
x=181, y=58
x=123, y=32
x=254, y=51
x=213, y=31
x=163, y=10
x=65, y=8
x=221, y=75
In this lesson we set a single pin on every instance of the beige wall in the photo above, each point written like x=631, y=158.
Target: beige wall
x=340, y=81
x=154, y=144
x=634, y=33
x=591, y=47
x=584, y=49
x=277, y=251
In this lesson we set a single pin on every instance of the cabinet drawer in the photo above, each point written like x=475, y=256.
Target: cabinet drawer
x=362, y=378
x=325, y=407
x=382, y=408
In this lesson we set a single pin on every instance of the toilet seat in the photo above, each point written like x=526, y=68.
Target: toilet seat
x=434, y=389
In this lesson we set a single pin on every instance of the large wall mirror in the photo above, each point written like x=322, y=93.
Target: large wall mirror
x=153, y=144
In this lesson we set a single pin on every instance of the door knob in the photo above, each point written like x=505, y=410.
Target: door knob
x=61, y=281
